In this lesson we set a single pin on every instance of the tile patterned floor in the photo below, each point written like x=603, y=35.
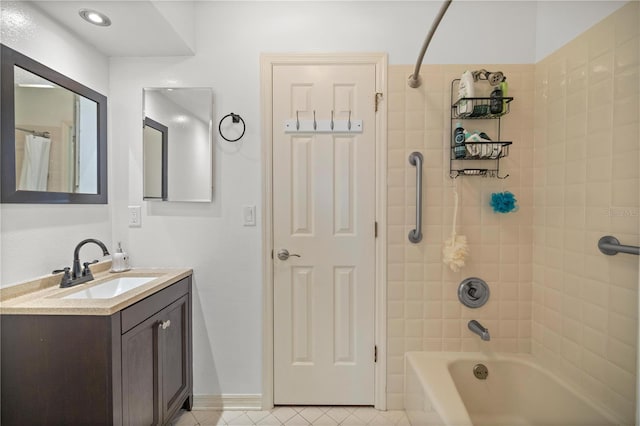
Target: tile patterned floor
x=295, y=416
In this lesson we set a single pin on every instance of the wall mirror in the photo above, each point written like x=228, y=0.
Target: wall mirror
x=177, y=144
x=54, y=135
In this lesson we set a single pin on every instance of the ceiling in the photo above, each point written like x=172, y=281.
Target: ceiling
x=139, y=27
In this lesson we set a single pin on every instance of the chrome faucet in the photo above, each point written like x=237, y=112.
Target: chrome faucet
x=80, y=275
x=478, y=329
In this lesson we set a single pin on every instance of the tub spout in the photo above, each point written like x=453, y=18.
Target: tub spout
x=478, y=329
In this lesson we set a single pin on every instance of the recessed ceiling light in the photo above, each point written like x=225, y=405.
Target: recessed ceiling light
x=95, y=17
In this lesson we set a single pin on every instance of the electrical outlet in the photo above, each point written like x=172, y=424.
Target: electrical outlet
x=135, y=217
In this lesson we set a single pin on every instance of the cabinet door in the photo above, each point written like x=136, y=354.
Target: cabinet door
x=140, y=374
x=175, y=355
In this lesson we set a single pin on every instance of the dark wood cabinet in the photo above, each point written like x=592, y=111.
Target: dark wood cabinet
x=155, y=368
x=131, y=368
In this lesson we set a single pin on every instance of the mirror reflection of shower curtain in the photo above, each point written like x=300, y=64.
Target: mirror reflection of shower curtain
x=35, y=164
x=68, y=157
x=86, y=145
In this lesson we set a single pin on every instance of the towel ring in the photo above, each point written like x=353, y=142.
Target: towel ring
x=235, y=118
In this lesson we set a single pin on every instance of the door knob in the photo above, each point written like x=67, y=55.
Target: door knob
x=283, y=254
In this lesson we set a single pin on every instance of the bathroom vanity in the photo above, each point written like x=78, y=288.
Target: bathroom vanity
x=68, y=357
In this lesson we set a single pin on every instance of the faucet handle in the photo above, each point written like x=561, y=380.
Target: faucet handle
x=86, y=271
x=66, y=278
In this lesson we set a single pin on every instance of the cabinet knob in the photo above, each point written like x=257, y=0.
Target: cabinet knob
x=165, y=324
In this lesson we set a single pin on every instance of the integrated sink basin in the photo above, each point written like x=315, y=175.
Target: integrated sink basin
x=109, y=289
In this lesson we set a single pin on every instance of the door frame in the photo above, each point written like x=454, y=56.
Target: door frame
x=267, y=61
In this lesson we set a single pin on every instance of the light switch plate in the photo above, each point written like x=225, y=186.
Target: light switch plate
x=249, y=215
x=135, y=217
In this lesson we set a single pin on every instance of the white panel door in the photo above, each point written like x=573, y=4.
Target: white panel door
x=324, y=211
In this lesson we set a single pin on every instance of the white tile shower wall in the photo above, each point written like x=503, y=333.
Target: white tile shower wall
x=586, y=161
x=423, y=310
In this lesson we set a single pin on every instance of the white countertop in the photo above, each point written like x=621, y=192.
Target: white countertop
x=43, y=296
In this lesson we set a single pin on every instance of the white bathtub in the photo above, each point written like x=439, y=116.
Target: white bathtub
x=441, y=389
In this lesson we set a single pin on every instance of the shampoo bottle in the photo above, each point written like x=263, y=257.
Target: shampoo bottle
x=495, y=103
x=459, y=149
x=504, y=87
x=465, y=91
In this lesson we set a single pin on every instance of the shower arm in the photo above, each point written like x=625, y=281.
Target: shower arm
x=414, y=79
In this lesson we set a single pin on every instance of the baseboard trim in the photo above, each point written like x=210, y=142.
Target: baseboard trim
x=228, y=402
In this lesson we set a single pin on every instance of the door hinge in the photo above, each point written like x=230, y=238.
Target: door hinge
x=378, y=99
x=375, y=229
x=375, y=354
x=271, y=254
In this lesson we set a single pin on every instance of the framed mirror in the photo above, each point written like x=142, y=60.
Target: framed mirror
x=184, y=165
x=54, y=135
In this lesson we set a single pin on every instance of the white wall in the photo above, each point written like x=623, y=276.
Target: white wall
x=36, y=239
x=206, y=236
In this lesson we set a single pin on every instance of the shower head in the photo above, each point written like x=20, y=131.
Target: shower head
x=494, y=78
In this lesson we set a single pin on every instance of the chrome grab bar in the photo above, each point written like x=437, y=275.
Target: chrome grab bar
x=610, y=246
x=415, y=235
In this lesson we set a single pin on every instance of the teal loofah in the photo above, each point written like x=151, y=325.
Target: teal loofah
x=503, y=202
